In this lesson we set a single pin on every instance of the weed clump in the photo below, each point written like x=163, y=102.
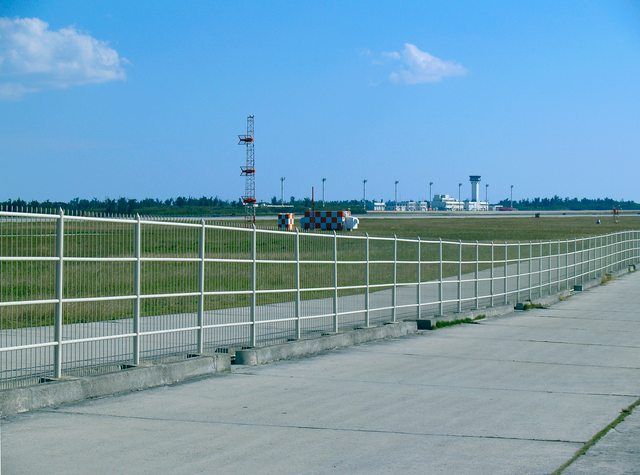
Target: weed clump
x=606, y=279
x=450, y=323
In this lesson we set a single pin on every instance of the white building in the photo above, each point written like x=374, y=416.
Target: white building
x=417, y=206
x=379, y=206
x=446, y=203
x=476, y=205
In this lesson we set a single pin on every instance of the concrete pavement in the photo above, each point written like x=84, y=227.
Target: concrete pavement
x=516, y=394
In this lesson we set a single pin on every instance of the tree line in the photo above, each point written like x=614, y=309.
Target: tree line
x=570, y=204
x=210, y=206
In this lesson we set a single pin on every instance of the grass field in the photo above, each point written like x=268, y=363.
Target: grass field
x=36, y=280
x=498, y=229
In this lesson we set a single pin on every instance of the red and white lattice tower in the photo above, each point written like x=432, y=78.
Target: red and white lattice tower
x=249, y=172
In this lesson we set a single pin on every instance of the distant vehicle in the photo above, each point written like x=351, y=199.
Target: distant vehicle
x=505, y=208
x=329, y=220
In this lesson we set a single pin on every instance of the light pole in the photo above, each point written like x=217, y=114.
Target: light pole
x=282, y=178
x=511, y=196
x=459, y=193
x=430, y=195
x=395, y=194
x=364, y=193
x=486, y=193
x=323, y=180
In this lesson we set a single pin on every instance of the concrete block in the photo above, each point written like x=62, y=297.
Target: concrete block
x=301, y=348
x=67, y=390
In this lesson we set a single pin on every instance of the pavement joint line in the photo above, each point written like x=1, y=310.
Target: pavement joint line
x=555, y=308
x=527, y=340
x=309, y=427
x=420, y=385
x=479, y=358
x=579, y=318
x=600, y=330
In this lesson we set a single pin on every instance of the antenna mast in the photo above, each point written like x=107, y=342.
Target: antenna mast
x=249, y=172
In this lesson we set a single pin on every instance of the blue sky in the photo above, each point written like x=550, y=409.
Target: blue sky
x=145, y=99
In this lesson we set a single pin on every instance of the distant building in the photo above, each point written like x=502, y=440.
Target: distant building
x=379, y=206
x=446, y=203
x=417, y=206
x=476, y=206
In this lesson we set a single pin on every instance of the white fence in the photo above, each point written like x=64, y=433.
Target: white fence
x=83, y=294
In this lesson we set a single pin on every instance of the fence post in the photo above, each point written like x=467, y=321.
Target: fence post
x=440, y=280
x=57, y=358
x=566, y=264
x=518, y=267
x=459, y=275
x=335, y=283
x=558, y=267
x=491, y=289
x=530, y=269
x=506, y=272
x=477, y=276
x=540, y=249
x=394, y=295
x=367, y=319
x=254, y=282
x=549, y=270
x=575, y=261
x=419, y=294
x=592, y=259
x=297, y=277
x=202, y=253
x=137, y=290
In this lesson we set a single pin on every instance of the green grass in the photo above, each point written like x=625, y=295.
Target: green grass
x=606, y=278
x=599, y=435
x=36, y=280
x=451, y=323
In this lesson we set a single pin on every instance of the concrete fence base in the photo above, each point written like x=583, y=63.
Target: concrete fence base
x=300, y=348
x=66, y=390
x=430, y=323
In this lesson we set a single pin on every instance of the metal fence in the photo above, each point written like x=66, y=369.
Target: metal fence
x=81, y=294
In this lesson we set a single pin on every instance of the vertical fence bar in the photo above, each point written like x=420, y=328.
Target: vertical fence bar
x=491, y=289
x=566, y=264
x=549, y=270
x=296, y=251
x=459, y=276
x=530, y=270
x=575, y=261
x=518, y=270
x=592, y=249
x=137, y=290
x=477, y=276
x=558, y=276
x=440, y=279
x=506, y=273
x=540, y=250
x=336, y=323
x=57, y=357
x=202, y=252
x=254, y=282
x=367, y=317
x=419, y=293
x=394, y=295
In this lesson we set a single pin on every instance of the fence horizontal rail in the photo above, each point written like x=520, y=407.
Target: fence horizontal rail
x=80, y=293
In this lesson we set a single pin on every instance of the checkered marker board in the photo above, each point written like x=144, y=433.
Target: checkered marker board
x=285, y=221
x=325, y=220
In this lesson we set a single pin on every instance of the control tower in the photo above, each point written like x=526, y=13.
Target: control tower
x=475, y=187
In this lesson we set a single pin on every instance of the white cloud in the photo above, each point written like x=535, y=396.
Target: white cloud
x=419, y=67
x=34, y=58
